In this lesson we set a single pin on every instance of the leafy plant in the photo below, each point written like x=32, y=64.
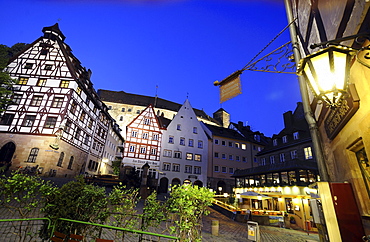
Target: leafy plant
x=21, y=195
x=188, y=204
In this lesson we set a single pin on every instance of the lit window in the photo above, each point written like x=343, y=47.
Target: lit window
x=64, y=84
x=50, y=122
x=57, y=102
x=22, y=80
x=82, y=117
x=237, y=145
x=308, y=153
x=197, y=157
x=36, y=101
x=189, y=156
x=79, y=90
x=244, y=146
x=41, y=82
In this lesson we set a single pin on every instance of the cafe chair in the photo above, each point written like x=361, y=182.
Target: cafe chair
x=58, y=237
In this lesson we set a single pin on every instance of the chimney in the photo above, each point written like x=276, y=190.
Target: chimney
x=288, y=119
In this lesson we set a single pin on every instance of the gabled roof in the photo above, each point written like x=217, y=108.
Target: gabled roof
x=142, y=100
x=225, y=132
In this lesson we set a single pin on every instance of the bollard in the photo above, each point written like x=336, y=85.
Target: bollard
x=215, y=226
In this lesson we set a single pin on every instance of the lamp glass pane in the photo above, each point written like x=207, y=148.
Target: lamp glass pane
x=311, y=79
x=340, y=61
x=325, y=79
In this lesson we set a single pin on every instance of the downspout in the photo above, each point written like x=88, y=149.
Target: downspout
x=315, y=135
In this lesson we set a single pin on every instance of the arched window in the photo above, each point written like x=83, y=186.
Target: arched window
x=33, y=155
x=70, y=163
x=60, y=161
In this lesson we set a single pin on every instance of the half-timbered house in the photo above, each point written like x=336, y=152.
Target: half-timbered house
x=57, y=122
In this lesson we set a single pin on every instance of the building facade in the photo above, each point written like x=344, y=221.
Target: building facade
x=344, y=130
x=57, y=123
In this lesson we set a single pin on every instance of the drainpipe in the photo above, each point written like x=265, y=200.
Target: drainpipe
x=315, y=135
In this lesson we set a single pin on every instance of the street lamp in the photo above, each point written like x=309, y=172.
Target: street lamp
x=327, y=73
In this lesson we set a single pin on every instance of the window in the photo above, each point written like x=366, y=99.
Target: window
x=70, y=163
x=48, y=67
x=182, y=141
x=176, y=167
x=263, y=161
x=216, y=154
x=223, y=156
x=223, y=169
x=223, y=143
x=308, y=153
x=282, y=157
x=23, y=80
x=28, y=120
x=231, y=170
x=167, y=153
x=121, y=118
x=73, y=107
x=237, y=145
x=216, y=169
x=87, y=139
x=244, y=159
x=191, y=142
x=28, y=66
x=64, y=84
x=41, y=82
x=189, y=156
x=132, y=148
x=82, y=117
x=60, y=160
x=197, y=170
x=244, y=146
x=129, y=110
x=257, y=137
x=170, y=139
x=295, y=135
x=67, y=128
x=274, y=142
x=134, y=134
x=195, y=130
x=166, y=166
x=78, y=134
x=217, y=142
x=177, y=154
x=272, y=159
x=153, y=151
x=178, y=127
x=155, y=137
x=293, y=154
x=230, y=157
x=123, y=110
x=138, y=111
x=33, y=155
x=197, y=157
x=230, y=144
x=145, y=136
x=200, y=144
x=285, y=139
x=36, y=101
x=17, y=98
x=109, y=107
x=188, y=169
x=147, y=121
x=7, y=119
x=50, y=122
x=44, y=51
x=237, y=158
x=57, y=102
x=79, y=90
x=142, y=150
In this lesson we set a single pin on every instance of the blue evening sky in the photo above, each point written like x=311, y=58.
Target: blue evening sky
x=181, y=46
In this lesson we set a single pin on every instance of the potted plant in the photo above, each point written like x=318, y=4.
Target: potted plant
x=292, y=220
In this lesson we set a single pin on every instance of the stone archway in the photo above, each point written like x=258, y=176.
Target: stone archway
x=221, y=187
x=6, y=154
x=175, y=181
x=198, y=183
x=163, y=185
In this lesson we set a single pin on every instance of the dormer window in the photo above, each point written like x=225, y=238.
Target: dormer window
x=257, y=137
x=28, y=66
x=274, y=142
x=295, y=135
x=285, y=139
x=48, y=67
